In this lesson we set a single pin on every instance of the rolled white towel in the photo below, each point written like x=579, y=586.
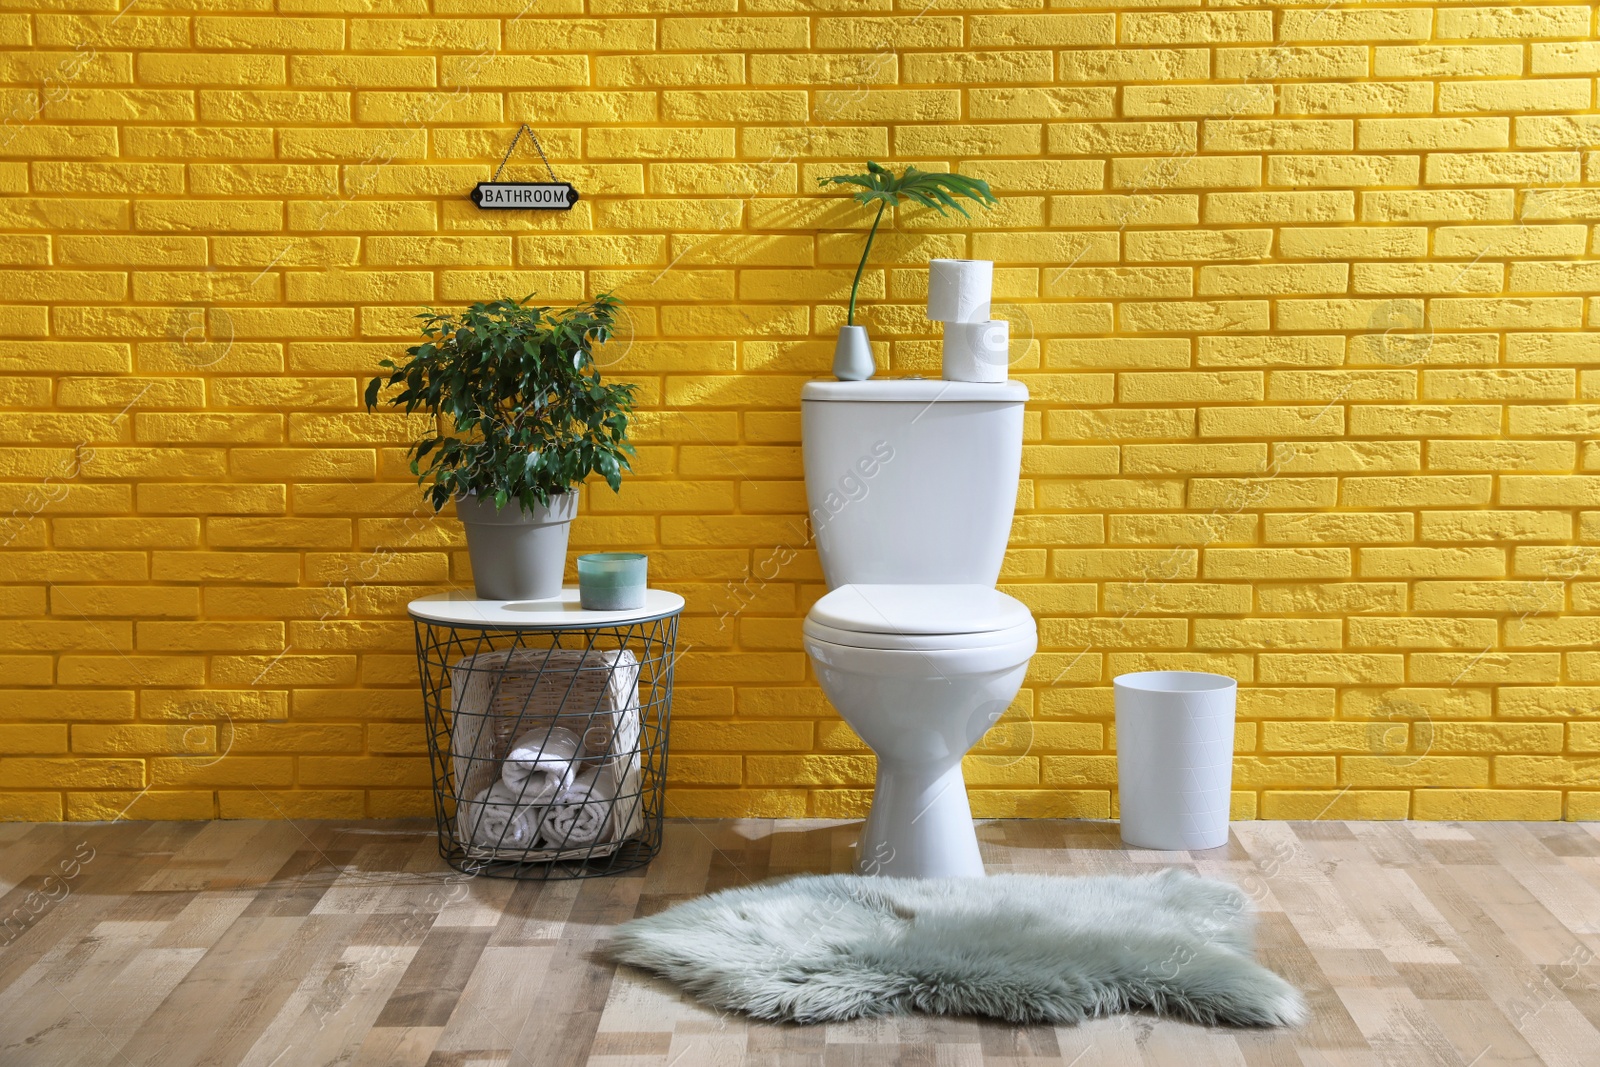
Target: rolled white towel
x=540, y=764
x=494, y=819
x=580, y=814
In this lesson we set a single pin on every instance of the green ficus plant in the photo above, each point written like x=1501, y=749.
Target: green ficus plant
x=522, y=411
x=883, y=187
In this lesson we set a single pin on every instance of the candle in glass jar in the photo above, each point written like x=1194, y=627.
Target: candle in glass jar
x=612, y=581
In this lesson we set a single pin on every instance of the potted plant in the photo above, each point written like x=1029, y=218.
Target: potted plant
x=852, y=355
x=523, y=419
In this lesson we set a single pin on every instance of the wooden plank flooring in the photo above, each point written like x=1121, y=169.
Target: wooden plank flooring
x=280, y=944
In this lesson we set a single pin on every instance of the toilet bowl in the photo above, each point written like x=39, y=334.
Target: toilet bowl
x=911, y=486
x=920, y=672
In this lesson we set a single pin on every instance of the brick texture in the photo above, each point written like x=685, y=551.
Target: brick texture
x=1302, y=297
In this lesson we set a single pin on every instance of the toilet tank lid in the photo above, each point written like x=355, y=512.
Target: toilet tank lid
x=920, y=609
x=915, y=390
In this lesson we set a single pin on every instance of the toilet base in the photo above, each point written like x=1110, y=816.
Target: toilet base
x=920, y=825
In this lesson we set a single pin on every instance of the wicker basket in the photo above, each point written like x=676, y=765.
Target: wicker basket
x=500, y=697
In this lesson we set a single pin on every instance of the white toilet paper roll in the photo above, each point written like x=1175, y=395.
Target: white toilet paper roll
x=977, y=351
x=959, y=289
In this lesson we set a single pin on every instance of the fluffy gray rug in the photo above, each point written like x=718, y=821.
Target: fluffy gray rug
x=1024, y=948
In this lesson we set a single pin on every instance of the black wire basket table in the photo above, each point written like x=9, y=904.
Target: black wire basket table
x=547, y=731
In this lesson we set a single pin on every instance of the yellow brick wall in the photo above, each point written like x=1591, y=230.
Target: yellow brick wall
x=1304, y=292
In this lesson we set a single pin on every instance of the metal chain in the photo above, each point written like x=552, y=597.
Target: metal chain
x=526, y=129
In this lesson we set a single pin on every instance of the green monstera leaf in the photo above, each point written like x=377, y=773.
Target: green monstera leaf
x=881, y=186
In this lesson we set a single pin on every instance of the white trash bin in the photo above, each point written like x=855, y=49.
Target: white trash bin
x=1175, y=758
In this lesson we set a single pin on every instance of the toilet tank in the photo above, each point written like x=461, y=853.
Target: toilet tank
x=911, y=481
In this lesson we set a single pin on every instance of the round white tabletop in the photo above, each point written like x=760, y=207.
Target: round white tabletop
x=557, y=613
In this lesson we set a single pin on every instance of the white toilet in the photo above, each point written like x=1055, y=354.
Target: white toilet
x=911, y=485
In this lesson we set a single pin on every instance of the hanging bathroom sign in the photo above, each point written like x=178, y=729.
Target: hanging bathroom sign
x=553, y=195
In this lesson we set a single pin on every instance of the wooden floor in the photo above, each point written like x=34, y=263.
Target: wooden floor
x=285, y=944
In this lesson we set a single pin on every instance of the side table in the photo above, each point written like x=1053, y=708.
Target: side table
x=504, y=683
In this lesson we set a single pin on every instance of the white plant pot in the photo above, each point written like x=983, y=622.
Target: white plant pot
x=1174, y=758
x=852, y=355
x=517, y=555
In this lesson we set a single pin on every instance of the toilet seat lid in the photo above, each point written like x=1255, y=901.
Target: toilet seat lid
x=920, y=609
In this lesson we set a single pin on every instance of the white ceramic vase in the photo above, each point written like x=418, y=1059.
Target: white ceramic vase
x=852, y=356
